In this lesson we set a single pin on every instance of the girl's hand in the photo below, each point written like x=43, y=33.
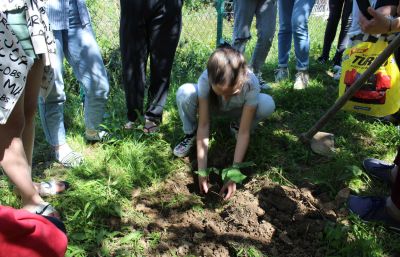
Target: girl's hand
x=230, y=186
x=203, y=184
x=377, y=25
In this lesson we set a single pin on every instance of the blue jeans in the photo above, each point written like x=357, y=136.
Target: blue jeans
x=293, y=21
x=80, y=48
x=265, y=12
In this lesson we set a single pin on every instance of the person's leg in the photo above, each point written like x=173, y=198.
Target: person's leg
x=285, y=8
x=244, y=11
x=51, y=109
x=134, y=53
x=164, y=33
x=393, y=202
x=335, y=11
x=344, y=28
x=13, y=159
x=32, y=88
x=301, y=13
x=266, y=23
x=83, y=54
x=187, y=103
x=266, y=106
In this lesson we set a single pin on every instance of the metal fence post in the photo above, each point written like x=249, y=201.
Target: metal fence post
x=220, y=19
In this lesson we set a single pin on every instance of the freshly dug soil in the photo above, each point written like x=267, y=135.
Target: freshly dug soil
x=277, y=220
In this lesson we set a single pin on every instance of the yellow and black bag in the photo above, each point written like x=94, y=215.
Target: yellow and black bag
x=380, y=95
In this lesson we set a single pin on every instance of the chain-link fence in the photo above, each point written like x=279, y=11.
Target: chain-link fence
x=200, y=21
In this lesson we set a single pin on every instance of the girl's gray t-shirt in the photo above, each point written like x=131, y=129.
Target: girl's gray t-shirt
x=248, y=95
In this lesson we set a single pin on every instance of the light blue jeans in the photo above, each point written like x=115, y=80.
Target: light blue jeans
x=187, y=101
x=265, y=12
x=293, y=21
x=79, y=46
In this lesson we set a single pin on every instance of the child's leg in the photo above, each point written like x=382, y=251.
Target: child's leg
x=393, y=202
x=187, y=102
x=32, y=88
x=14, y=153
x=266, y=106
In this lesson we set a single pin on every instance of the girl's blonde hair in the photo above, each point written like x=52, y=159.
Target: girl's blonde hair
x=226, y=66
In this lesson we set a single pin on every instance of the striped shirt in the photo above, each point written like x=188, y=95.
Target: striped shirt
x=58, y=12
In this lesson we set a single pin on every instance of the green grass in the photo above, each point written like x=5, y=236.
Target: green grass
x=102, y=187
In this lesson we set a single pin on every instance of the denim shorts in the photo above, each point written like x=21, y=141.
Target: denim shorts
x=17, y=22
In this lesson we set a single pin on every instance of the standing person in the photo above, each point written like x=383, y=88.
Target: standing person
x=148, y=28
x=76, y=42
x=227, y=88
x=293, y=22
x=26, y=48
x=338, y=9
x=265, y=12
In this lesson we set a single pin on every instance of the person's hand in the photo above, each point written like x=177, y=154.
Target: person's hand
x=203, y=184
x=230, y=187
x=377, y=25
x=398, y=9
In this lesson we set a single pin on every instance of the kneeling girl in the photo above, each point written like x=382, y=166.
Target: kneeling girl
x=226, y=88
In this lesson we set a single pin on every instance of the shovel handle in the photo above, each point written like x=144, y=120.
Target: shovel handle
x=382, y=57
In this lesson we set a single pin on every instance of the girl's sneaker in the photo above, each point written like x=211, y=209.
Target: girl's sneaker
x=281, y=74
x=68, y=157
x=301, y=81
x=183, y=148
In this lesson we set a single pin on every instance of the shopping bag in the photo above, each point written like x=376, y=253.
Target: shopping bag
x=380, y=94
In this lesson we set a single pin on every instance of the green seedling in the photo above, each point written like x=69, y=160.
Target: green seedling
x=228, y=174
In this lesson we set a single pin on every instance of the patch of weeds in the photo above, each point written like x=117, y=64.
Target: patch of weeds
x=248, y=251
x=198, y=208
x=154, y=239
x=133, y=240
x=359, y=237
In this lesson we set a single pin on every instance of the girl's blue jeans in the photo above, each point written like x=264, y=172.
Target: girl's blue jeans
x=78, y=45
x=293, y=22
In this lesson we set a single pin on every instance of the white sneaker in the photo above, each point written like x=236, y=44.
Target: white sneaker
x=68, y=157
x=96, y=135
x=302, y=79
x=281, y=74
x=183, y=148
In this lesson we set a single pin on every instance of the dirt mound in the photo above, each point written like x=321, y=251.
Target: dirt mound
x=278, y=220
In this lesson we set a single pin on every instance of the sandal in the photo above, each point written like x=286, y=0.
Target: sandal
x=45, y=209
x=150, y=127
x=50, y=187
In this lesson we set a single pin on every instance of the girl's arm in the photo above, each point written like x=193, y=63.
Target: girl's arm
x=244, y=133
x=242, y=143
x=203, y=132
